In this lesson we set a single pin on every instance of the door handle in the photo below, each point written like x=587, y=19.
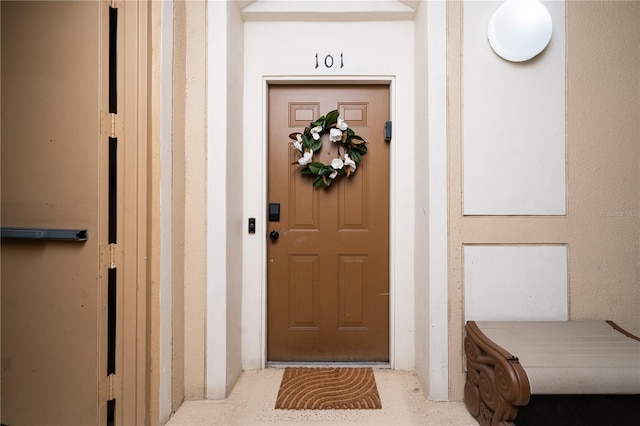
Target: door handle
x=274, y=235
x=45, y=234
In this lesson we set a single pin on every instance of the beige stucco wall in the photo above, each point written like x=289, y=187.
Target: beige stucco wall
x=603, y=193
x=207, y=243
x=189, y=140
x=225, y=221
x=601, y=227
x=603, y=149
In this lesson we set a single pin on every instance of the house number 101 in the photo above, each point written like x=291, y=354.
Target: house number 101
x=329, y=61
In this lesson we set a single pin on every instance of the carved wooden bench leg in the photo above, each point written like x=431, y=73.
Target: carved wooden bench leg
x=496, y=382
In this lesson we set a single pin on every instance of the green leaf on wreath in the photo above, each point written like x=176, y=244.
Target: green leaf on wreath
x=326, y=171
x=318, y=182
x=332, y=117
x=355, y=156
x=315, y=167
x=362, y=149
x=315, y=145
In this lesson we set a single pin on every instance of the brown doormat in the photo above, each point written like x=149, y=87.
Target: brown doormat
x=328, y=388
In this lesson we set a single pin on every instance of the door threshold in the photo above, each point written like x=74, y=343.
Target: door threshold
x=329, y=364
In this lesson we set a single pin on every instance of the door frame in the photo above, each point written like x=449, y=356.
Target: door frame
x=292, y=59
x=336, y=85
x=262, y=220
x=250, y=52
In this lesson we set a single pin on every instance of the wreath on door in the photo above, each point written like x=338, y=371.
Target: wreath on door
x=351, y=148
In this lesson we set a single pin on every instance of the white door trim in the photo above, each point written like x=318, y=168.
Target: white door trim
x=242, y=54
x=272, y=55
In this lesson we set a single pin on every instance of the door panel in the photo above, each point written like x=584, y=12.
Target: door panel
x=328, y=273
x=53, y=292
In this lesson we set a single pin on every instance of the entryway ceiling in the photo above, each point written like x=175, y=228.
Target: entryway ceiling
x=327, y=10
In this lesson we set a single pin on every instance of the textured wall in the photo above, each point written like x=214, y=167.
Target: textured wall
x=600, y=228
x=225, y=224
x=514, y=151
x=603, y=150
x=601, y=225
x=190, y=186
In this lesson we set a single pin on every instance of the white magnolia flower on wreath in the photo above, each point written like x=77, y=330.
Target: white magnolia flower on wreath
x=315, y=132
x=337, y=164
x=306, y=158
x=298, y=144
x=335, y=135
x=333, y=174
x=341, y=124
x=349, y=162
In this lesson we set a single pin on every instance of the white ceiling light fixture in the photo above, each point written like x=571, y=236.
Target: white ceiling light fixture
x=520, y=29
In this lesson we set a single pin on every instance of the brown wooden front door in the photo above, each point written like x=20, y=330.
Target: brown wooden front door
x=328, y=271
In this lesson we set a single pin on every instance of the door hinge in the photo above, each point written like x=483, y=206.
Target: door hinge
x=110, y=388
x=114, y=260
x=111, y=125
x=115, y=256
x=110, y=256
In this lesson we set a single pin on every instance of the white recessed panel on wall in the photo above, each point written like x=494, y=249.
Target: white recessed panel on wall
x=514, y=122
x=515, y=283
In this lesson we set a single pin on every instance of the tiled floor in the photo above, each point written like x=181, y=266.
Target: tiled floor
x=253, y=399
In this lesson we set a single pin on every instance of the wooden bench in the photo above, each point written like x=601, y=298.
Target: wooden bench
x=509, y=361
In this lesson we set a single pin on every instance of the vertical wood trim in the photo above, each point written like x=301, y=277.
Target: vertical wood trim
x=178, y=211
x=133, y=158
x=145, y=360
x=154, y=98
x=105, y=251
x=454, y=166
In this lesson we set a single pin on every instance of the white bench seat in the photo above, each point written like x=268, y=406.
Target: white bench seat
x=508, y=361
x=570, y=357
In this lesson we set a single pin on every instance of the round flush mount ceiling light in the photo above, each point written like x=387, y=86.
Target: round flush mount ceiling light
x=520, y=29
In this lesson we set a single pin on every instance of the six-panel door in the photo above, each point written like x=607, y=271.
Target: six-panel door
x=328, y=271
